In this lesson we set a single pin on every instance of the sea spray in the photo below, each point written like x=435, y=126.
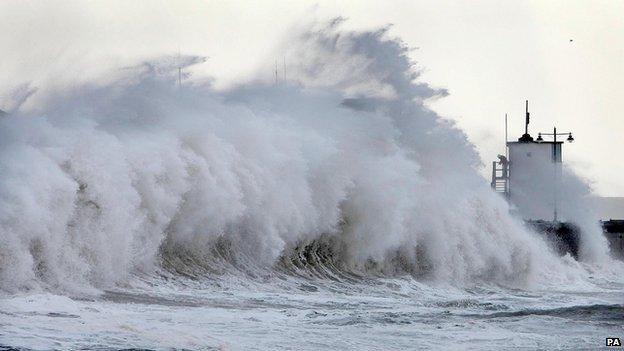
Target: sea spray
x=101, y=181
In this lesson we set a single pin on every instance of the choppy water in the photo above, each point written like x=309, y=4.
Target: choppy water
x=292, y=314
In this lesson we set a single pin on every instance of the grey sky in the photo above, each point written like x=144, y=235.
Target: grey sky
x=490, y=55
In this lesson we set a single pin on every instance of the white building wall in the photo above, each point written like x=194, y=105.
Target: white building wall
x=534, y=179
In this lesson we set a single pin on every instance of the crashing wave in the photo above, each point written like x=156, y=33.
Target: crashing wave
x=339, y=173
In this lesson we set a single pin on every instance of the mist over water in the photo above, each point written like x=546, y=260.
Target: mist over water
x=135, y=175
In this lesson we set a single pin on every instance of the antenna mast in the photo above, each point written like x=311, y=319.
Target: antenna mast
x=526, y=125
x=506, y=139
x=276, y=71
x=179, y=77
x=526, y=137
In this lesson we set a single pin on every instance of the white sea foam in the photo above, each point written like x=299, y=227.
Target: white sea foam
x=99, y=179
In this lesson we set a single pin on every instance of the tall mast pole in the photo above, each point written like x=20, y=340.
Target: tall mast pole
x=526, y=124
x=180, y=77
x=507, y=157
x=556, y=178
x=506, y=139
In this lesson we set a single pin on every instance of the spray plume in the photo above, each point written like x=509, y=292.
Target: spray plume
x=105, y=180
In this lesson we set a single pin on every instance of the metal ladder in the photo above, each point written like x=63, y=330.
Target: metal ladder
x=500, y=175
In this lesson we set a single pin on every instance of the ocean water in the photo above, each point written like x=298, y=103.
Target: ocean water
x=334, y=211
x=301, y=314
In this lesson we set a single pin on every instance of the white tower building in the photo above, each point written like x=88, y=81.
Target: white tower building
x=531, y=177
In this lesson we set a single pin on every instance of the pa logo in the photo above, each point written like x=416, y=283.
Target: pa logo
x=614, y=342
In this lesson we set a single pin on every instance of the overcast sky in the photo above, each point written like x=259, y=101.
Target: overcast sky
x=490, y=55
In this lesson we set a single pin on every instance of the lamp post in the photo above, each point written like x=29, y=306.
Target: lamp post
x=570, y=139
